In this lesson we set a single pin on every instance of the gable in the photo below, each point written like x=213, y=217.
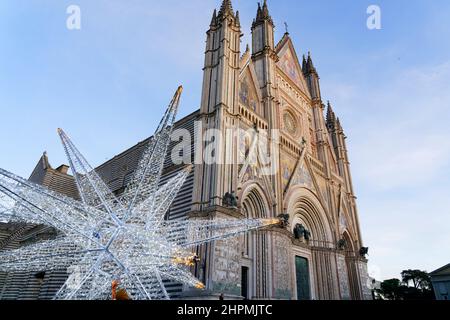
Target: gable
x=248, y=92
x=253, y=169
x=298, y=173
x=302, y=177
x=289, y=64
x=37, y=176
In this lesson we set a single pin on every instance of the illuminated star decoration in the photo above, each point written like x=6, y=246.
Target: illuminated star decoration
x=103, y=238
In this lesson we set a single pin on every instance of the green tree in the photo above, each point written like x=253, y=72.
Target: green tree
x=395, y=289
x=390, y=289
x=420, y=279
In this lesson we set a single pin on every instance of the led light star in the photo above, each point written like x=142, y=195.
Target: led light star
x=105, y=239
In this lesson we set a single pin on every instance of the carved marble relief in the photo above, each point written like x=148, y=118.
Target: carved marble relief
x=303, y=177
x=247, y=93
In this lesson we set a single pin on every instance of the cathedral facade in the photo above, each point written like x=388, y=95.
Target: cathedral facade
x=263, y=88
x=320, y=254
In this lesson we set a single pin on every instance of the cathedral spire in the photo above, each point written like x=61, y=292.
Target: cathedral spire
x=220, y=68
x=263, y=31
x=258, y=13
x=312, y=77
x=265, y=10
x=309, y=65
x=331, y=117
x=220, y=102
x=262, y=14
x=238, y=20
x=226, y=8
x=214, y=18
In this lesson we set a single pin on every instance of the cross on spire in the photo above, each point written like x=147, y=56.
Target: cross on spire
x=286, y=27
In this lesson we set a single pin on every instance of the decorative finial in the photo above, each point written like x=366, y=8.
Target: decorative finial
x=214, y=18
x=226, y=8
x=265, y=9
x=331, y=117
x=310, y=65
x=286, y=27
x=262, y=14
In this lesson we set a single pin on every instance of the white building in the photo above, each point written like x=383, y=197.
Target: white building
x=440, y=279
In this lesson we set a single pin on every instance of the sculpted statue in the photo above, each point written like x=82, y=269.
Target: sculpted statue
x=230, y=200
x=364, y=251
x=284, y=220
x=226, y=200
x=342, y=244
x=300, y=232
x=307, y=234
x=299, y=229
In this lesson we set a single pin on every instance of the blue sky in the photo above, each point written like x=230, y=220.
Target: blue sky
x=108, y=83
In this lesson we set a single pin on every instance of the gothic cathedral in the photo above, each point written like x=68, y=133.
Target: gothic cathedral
x=319, y=255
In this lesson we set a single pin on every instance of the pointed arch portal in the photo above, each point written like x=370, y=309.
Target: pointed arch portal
x=254, y=259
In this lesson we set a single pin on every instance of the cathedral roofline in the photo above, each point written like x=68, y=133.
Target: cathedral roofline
x=282, y=41
x=140, y=143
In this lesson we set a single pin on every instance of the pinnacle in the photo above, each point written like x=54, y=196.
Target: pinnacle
x=265, y=10
x=262, y=13
x=309, y=65
x=331, y=117
x=214, y=18
x=226, y=8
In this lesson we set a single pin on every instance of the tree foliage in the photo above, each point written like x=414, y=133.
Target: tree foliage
x=396, y=289
x=420, y=279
